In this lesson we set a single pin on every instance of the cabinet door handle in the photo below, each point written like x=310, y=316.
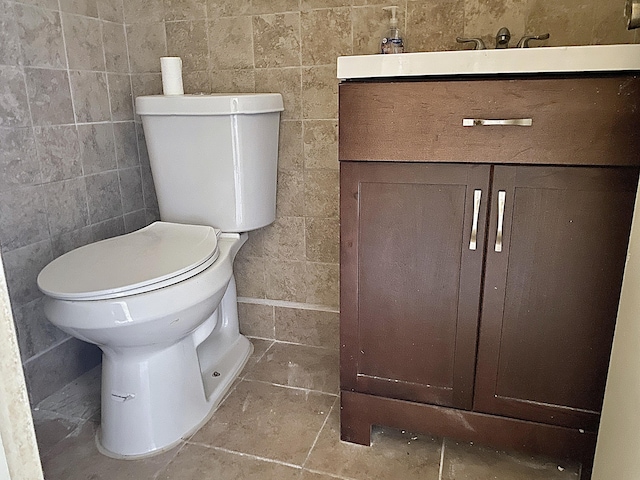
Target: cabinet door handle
x=483, y=122
x=502, y=195
x=473, y=243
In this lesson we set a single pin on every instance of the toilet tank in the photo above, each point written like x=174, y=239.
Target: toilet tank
x=214, y=158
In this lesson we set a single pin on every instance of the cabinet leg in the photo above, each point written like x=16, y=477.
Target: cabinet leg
x=354, y=427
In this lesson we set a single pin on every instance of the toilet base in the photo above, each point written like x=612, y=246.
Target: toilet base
x=155, y=396
x=217, y=387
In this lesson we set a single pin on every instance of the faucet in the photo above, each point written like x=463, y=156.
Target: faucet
x=503, y=37
x=524, y=41
x=477, y=42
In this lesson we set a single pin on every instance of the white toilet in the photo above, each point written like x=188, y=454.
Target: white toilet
x=161, y=302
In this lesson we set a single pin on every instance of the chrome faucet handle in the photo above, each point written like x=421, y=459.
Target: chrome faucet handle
x=524, y=41
x=479, y=43
x=502, y=38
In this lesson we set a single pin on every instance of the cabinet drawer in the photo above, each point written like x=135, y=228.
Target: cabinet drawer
x=575, y=121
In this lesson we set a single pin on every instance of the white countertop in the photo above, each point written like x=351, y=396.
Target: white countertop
x=591, y=58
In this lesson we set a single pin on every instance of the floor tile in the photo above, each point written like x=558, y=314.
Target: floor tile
x=195, y=462
x=269, y=421
x=77, y=458
x=392, y=455
x=260, y=347
x=51, y=429
x=299, y=366
x=79, y=399
x=464, y=461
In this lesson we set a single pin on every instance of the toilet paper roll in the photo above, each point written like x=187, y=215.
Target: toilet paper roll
x=171, y=68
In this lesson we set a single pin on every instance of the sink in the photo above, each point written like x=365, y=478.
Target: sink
x=591, y=58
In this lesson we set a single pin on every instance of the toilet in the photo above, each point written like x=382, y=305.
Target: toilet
x=161, y=302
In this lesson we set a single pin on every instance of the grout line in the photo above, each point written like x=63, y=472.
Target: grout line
x=441, y=460
x=285, y=342
x=286, y=304
x=164, y=467
x=326, y=419
x=289, y=387
x=57, y=344
x=247, y=455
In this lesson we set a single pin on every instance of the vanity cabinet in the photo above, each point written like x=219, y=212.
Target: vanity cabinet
x=481, y=266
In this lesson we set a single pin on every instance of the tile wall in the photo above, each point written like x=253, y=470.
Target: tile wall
x=70, y=172
x=74, y=168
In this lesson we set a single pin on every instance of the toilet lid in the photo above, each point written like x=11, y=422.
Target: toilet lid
x=132, y=263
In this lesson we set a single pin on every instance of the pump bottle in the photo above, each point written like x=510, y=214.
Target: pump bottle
x=392, y=42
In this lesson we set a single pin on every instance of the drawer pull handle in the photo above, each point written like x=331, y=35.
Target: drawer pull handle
x=473, y=243
x=483, y=122
x=502, y=195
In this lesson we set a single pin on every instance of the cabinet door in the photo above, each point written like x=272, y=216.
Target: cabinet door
x=551, y=294
x=410, y=283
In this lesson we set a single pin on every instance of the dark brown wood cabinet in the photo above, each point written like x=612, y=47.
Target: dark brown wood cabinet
x=479, y=288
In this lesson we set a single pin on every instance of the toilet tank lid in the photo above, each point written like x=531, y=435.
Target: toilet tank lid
x=112, y=267
x=211, y=104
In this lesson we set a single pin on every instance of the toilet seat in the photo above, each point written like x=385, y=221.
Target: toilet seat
x=156, y=256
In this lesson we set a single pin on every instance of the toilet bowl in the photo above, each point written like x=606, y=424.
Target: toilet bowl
x=161, y=302
x=169, y=333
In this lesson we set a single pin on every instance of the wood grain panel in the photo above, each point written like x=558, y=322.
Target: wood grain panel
x=576, y=121
x=410, y=285
x=551, y=295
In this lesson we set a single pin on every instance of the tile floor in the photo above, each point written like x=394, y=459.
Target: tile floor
x=280, y=421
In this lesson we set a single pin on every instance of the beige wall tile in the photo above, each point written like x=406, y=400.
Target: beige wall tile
x=260, y=7
x=290, y=155
x=284, y=239
x=285, y=81
x=230, y=43
x=290, y=194
x=88, y=8
x=188, y=40
x=120, y=96
x=115, y=47
x=308, y=327
x=90, y=96
x=483, y=19
x=254, y=246
x=256, y=320
x=185, y=10
x=318, y=48
x=322, y=239
x=276, y=40
x=150, y=44
x=143, y=11
x=321, y=193
x=196, y=82
x=370, y=24
x=146, y=84
x=250, y=276
x=323, y=284
x=321, y=144
x=83, y=38
x=40, y=33
x=311, y=4
x=569, y=23
x=233, y=81
x=611, y=26
x=434, y=26
x=286, y=280
x=111, y=10
x=227, y=8
x=319, y=92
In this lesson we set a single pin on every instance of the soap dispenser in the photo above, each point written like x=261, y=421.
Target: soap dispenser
x=392, y=42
